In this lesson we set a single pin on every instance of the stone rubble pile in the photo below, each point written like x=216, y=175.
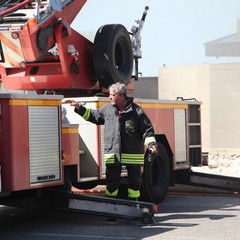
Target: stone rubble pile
x=222, y=164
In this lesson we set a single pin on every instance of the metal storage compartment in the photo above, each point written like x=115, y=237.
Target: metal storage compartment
x=30, y=141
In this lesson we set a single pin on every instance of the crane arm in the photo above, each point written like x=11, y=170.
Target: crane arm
x=137, y=40
x=136, y=35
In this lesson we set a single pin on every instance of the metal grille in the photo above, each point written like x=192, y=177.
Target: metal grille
x=180, y=136
x=44, y=144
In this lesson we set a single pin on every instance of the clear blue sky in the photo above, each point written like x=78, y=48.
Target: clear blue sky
x=174, y=32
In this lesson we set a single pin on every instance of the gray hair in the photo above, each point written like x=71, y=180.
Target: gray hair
x=120, y=88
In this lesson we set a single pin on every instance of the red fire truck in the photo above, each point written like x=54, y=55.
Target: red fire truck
x=45, y=149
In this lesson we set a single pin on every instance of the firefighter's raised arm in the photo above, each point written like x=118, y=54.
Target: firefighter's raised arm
x=73, y=103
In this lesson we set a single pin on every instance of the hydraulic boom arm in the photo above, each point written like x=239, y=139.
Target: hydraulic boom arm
x=137, y=40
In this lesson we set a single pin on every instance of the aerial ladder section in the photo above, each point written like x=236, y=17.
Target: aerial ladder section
x=40, y=51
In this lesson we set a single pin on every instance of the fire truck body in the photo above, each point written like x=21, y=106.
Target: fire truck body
x=41, y=149
x=43, y=143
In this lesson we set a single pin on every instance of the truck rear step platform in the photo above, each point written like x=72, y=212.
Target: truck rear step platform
x=214, y=181
x=104, y=206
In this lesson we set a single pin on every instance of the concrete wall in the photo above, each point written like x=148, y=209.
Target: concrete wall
x=146, y=87
x=218, y=87
x=224, y=92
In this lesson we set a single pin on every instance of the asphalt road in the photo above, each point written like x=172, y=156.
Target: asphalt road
x=181, y=217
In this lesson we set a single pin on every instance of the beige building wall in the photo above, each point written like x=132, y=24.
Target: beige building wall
x=217, y=86
x=225, y=105
x=146, y=87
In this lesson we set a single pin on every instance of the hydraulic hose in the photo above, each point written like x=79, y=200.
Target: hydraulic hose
x=16, y=7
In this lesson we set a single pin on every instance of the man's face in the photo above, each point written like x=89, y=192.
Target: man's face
x=114, y=97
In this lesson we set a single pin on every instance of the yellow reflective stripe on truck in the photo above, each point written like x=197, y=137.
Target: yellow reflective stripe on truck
x=162, y=105
x=69, y=130
x=24, y=102
x=153, y=105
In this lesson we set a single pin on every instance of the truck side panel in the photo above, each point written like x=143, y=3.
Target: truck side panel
x=30, y=141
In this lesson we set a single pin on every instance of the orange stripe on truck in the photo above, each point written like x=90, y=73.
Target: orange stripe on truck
x=11, y=60
x=10, y=44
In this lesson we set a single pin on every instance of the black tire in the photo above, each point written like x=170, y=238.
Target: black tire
x=113, y=55
x=156, y=176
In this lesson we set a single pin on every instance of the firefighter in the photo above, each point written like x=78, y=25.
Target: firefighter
x=126, y=129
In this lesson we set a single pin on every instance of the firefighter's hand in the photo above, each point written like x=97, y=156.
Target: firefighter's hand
x=153, y=149
x=73, y=103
